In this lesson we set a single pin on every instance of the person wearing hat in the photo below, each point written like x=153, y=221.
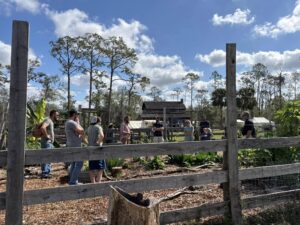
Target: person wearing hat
x=95, y=138
x=74, y=134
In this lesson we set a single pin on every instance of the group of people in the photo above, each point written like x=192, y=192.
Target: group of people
x=125, y=131
x=75, y=135
x=205, y=133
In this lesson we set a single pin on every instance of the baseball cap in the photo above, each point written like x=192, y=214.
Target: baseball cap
x=94, y=119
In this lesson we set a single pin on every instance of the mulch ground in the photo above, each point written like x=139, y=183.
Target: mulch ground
x=93, y=211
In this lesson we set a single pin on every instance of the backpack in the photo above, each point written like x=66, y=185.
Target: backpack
x=36, y=131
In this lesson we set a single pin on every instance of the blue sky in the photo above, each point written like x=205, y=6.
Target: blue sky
x=172, y=37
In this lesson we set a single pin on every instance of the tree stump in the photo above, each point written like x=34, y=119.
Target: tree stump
x=116, y=171
x=126, y=209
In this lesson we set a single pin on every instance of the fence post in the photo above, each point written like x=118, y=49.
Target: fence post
x=232, y=188
x=16, y=124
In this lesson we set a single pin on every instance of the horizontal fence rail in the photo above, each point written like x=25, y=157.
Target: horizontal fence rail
x=117, y=151
x=41, y=196
x=215, y=209
x=219, y=208
x=129, y=151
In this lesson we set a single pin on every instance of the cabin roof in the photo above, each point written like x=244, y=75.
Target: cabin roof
x=151, y=105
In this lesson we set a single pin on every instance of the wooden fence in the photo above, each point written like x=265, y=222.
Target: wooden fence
x=15, y=158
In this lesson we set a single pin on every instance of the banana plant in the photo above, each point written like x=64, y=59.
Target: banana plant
x=34, y=116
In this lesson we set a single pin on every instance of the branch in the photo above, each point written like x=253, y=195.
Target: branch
x=183, y=191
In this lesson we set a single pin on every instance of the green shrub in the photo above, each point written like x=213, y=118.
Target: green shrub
x=32, y=143
x=288, y=119
x=188, y=160
x=185, y=160
x=285, y=155
x=255, y=157
x=114, y=163
x=202, y=158
x=155, y=164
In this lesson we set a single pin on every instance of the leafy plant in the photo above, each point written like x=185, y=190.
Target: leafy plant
x=202, y=158
x=34, y=117
x=155, y=164
x=285, y=155
x=185, y=160
x=114, y=163
x=288, y=119
x=255, y=157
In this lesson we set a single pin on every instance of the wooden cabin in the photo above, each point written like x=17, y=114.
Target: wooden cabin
x=175, y=112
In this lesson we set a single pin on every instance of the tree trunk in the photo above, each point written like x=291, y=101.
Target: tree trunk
x=221, y=117
x=109, y=95
x=91, y=83
x=124, y=210
x=3, y=126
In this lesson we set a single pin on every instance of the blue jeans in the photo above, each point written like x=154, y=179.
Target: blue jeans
x=74, y=172
x=46, y=167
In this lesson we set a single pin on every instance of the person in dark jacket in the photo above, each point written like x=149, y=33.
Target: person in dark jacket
x=248, y=131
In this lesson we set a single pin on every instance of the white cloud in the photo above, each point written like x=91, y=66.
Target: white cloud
x=28, y=5
x=5, y=53
x=33, y=91
x=238, y=17
x=285, y=25
x=80, y=80
x=77, y=22
x=274, y=60
x=32, y=6
x=162, y=70
x=5, y=50
x=215, y=58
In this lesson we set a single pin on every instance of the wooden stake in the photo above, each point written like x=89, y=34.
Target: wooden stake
x=16, y=124
x=231, y=157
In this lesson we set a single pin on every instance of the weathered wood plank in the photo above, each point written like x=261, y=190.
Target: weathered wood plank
x=279, y=142
x=269, y=171
x=271, y=199
x=16, y=123
x=41, y=196
x=54, y=194
x=118, y=151
x=205, y=210
x=215, y=209
x=232, y=144
x=128, y=151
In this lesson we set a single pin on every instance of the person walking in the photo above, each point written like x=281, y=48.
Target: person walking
x=47, y=139
x=95, y=138
x=74, y=134
x=125, y=131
